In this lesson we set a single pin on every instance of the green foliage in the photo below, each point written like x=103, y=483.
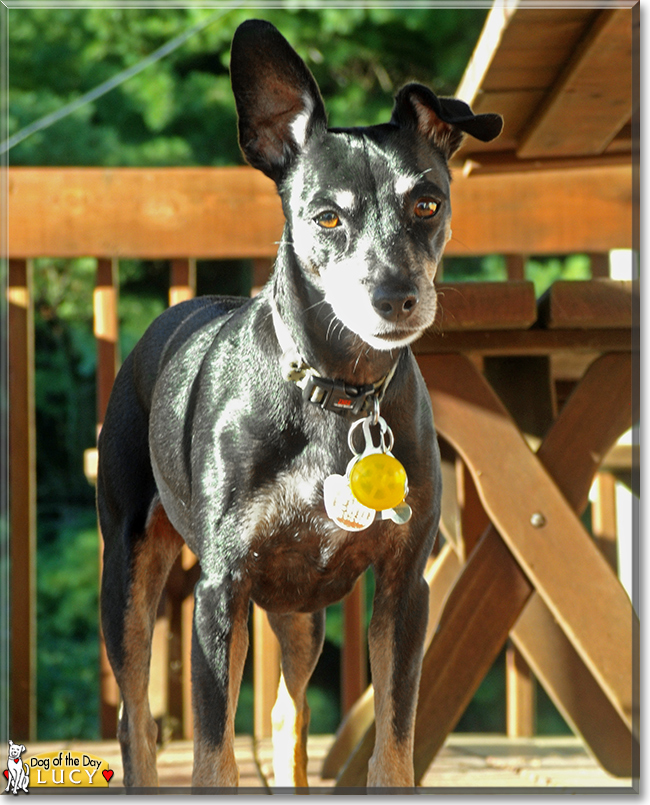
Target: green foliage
x=180, y=110
x=545, y=271
x=68, y=626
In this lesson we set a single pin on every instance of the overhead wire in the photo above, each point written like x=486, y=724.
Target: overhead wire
x=115, y=81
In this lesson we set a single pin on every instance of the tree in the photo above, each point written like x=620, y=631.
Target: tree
x=180, y=110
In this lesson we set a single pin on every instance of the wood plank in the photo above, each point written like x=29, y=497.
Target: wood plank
x=536, y=521
x=517, y=58
x=536, y=212
x=480, y=161
x=594, y=304
x=22, y=501
x=514, y=36
x=208, y=212
x=147, y=213
x=470, y=306
x=592, y=99
x=525, y=342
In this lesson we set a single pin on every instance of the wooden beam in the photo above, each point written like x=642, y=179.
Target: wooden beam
x=536, y=212
x=592, y=99
x=549, y=542
x=148, y=213
x=22, y=501
x=235, y=212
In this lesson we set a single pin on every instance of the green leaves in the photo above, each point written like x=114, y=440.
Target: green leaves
x=180, y=110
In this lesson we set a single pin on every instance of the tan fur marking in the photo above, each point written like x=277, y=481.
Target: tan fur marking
x=151, y=565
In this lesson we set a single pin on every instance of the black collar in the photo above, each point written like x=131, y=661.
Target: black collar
x=330, y=395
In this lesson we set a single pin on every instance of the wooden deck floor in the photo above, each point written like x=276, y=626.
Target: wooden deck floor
x=466, y=763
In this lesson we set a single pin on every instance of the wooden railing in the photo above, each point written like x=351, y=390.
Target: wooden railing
x=186, y=214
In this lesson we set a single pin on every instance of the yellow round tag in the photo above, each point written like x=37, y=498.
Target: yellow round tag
x=378, y=481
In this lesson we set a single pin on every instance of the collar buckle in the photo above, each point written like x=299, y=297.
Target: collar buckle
x=332, y=395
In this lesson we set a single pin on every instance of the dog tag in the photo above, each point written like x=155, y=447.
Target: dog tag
x=378, y=481
x=400, y=514
x=343, y=508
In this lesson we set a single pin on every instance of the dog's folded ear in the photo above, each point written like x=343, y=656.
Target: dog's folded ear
x=278, y=101
x=442, y=120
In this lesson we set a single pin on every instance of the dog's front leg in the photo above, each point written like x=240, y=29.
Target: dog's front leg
x=396, y=637
x=301, y=637
x=219, y=646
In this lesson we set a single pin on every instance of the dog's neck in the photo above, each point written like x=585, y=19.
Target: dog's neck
x=321, y=340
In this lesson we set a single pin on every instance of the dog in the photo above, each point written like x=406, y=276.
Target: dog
x=18, y=772
x=230, y=415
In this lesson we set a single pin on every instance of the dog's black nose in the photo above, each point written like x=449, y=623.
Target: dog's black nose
x=394, y=303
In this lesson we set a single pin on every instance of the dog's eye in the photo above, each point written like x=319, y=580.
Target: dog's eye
x=426, y=207
x=328, y=220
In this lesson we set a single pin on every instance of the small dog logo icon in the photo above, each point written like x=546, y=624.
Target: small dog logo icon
x=17, y=773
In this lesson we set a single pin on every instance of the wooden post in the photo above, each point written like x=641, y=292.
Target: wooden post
x=472, y=517
x=599, y=264
x=262, y=267
x=520, y=695
x=515, y=266
x=354, y=676
x=266, y=672
x=603, y=518
x=105, y=299
x=22, y=501
x=182, y=285
x=105, y=327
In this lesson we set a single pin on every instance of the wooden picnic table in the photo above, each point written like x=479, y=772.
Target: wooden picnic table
x=520, y=563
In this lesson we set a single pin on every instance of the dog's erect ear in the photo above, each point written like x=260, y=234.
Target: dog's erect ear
x=278, y=101
x=442, y=120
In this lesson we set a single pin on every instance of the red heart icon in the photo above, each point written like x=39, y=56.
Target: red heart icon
x=108, y=773
x=6, y=774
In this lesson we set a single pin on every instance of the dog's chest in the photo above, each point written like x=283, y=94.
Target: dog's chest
x=298, y=559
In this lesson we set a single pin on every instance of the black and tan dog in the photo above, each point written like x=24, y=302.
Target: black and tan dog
x=229, y=415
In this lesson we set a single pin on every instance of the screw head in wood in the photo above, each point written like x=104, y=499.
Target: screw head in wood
x=538, y=520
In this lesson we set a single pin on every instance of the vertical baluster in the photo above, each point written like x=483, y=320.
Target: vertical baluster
x=105, y=327
x=22, y=491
